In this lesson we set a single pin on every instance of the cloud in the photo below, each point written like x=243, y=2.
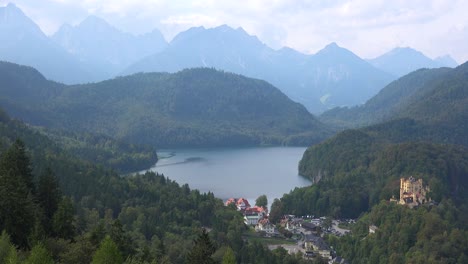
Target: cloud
x=367, y=27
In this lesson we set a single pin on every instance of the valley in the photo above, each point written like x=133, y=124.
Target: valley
x=205, y=137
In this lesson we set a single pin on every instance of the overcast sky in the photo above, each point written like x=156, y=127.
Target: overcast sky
x=366, y=27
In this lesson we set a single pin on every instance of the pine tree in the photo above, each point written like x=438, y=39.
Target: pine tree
x=229, y=257
x=16, y=161
x=16, y=194
x=107, y=253
x=62, y=221
x=39, y=255
x=48, y=197
x=16, y=209
x=5, y=246
x=121, y=239
x=202, y=250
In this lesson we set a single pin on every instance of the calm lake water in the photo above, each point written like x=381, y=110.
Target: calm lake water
x=239, y=172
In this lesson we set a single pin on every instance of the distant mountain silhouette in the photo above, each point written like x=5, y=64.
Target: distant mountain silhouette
x=334, y=76
x=447, y=61
x=22, y=41
x=401, y=61
x=97, y=43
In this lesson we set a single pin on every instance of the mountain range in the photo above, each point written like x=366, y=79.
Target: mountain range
x=94, y=50
x=96, y=43
x=198, y=107
x=332, y=77
x=22, y=41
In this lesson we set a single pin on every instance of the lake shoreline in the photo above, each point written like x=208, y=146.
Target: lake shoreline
x=235, y=172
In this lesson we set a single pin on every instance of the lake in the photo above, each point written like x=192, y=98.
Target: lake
x=235, y=172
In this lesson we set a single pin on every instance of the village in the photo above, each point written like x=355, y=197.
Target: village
x=308, y=231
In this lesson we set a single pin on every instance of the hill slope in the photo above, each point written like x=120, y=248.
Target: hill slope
x=436, y=98
x=96, y=149
x=198, y=107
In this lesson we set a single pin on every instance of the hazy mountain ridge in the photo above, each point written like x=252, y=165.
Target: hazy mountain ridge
x=309, y=79
x=197, y=107
x=22, y=41
x=401, y=61
x=388, y=102
x=430, y=96
x=96, y=42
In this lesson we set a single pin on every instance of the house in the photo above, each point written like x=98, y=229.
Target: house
x=254, y=214
x=372, y=229
x=294, y=224
x=265, y=226
x=242, y=204
x=311, y=227
x=317, y=245
x=230, y=201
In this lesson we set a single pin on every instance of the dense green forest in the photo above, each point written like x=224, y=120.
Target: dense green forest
x=428, y=234
x=103, y=150
x=191, y=108
x=56, y=207
x=353, y=172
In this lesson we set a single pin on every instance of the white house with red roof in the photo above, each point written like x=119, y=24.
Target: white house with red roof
x=266, y=226
x=254, y=214
x=251, y=214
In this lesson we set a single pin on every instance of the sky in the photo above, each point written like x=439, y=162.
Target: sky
x=369, y=28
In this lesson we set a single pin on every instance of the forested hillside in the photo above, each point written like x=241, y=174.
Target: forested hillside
x=191, y=108
x=354, y=171
x=428, y=234
x=117, y=155
x=435, y=98
x=58, y=208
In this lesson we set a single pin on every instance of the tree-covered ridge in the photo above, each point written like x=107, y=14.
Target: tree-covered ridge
x=196, y=107
x=356, y=169
x=102, y=150
x=391, y=99
x=433, y=97
x=428, y=234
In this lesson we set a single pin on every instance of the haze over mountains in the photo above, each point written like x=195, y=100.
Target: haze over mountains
x=22, y=41
x=96, y=43
x=94, y=50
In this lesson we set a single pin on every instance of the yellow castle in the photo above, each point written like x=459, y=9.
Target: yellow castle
x=412, y=192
